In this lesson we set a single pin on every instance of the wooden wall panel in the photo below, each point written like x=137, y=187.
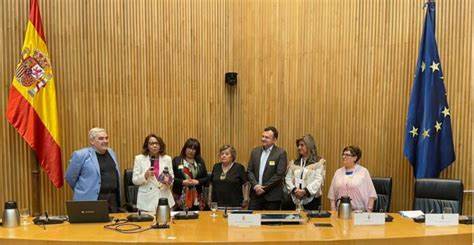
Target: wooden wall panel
x=338, y=69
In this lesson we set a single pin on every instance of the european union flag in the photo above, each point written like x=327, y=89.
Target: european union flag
x=429, y=140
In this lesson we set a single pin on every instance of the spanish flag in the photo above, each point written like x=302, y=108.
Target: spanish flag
x=32, y=106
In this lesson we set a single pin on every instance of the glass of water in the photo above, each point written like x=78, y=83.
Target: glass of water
x=24, y=214
x=299, y=205
x=213, y=207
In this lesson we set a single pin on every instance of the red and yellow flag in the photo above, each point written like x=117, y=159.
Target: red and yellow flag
x=32, y=108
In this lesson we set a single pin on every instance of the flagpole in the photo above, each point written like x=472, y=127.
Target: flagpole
x=35, y=187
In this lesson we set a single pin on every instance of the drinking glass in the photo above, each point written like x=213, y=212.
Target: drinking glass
x=24, y=214
x=213, y=209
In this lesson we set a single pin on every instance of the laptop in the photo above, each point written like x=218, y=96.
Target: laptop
x=88, y=211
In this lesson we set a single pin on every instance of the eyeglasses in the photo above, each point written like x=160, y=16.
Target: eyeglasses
x=153, y=143
x=347, y=155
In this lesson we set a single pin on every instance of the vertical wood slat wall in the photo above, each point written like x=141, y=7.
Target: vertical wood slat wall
x=338, y=69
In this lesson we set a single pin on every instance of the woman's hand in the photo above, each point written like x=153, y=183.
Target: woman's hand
x=186, y=182
x=190, y=182
x=149, y=173
x=300, y=193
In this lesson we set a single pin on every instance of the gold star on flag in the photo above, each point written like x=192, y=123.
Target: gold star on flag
x=414, y=132
x=434, y=66
x=423, y=66
x=446, y=112
x=438, y=126
x=426, y=133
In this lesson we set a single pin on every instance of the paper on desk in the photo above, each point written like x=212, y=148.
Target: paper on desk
x=412, y=213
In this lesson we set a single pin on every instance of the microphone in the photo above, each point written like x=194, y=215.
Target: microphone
x=225, y=212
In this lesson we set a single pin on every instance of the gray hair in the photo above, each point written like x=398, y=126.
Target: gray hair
x=94, y=131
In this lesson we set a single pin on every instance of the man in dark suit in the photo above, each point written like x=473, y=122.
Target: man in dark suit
x=266, y=171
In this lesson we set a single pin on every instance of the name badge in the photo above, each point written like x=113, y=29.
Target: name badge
x=180, y=167
x=271, y=163
x=441, y=219
x=369, y=218
x=244, y=220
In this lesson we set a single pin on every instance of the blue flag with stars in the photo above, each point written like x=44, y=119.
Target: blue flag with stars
x=428, y=139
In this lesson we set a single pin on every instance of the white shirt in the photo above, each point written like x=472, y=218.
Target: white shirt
x=263, y=163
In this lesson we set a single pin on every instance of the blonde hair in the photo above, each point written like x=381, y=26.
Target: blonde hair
x=310, y=143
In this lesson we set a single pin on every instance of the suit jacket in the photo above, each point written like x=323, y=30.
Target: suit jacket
x=83, y=174
x=151, y=190
x=273, y=175
x=202, y=175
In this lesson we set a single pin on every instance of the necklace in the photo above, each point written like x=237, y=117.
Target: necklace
x=225, y=170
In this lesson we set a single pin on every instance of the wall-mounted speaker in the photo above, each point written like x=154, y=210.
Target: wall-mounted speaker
x=231, y=78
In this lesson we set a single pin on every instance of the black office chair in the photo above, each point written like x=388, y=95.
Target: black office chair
x=131, y=191
x=432, y=195
x=383, y=187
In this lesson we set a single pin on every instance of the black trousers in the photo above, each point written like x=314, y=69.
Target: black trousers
x=262, y=204
x=112, y=201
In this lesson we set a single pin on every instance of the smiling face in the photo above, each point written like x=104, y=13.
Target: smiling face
x=268, y=139
x=190, y=153
x=302, y=149
x=225, y=156
x=153, y=146
x=348, y=159
x=100, y=142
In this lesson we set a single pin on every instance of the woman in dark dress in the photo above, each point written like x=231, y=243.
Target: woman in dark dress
x=190, y=176
x=229, y=180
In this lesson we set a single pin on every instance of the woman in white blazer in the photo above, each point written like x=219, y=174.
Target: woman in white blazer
x=148, y=173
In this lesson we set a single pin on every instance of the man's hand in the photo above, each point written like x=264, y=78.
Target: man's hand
x=258, y=190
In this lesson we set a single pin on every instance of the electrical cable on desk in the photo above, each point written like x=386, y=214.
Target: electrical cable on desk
x=120, y=225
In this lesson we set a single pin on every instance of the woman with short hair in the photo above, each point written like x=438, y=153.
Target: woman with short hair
x=228, y=180
x=354, y=181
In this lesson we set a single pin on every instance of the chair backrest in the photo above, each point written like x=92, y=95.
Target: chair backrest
x=131, y=190
x=432, y=195
x=383, y=187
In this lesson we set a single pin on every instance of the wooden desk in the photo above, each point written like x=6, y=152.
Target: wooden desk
x=209, y=230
